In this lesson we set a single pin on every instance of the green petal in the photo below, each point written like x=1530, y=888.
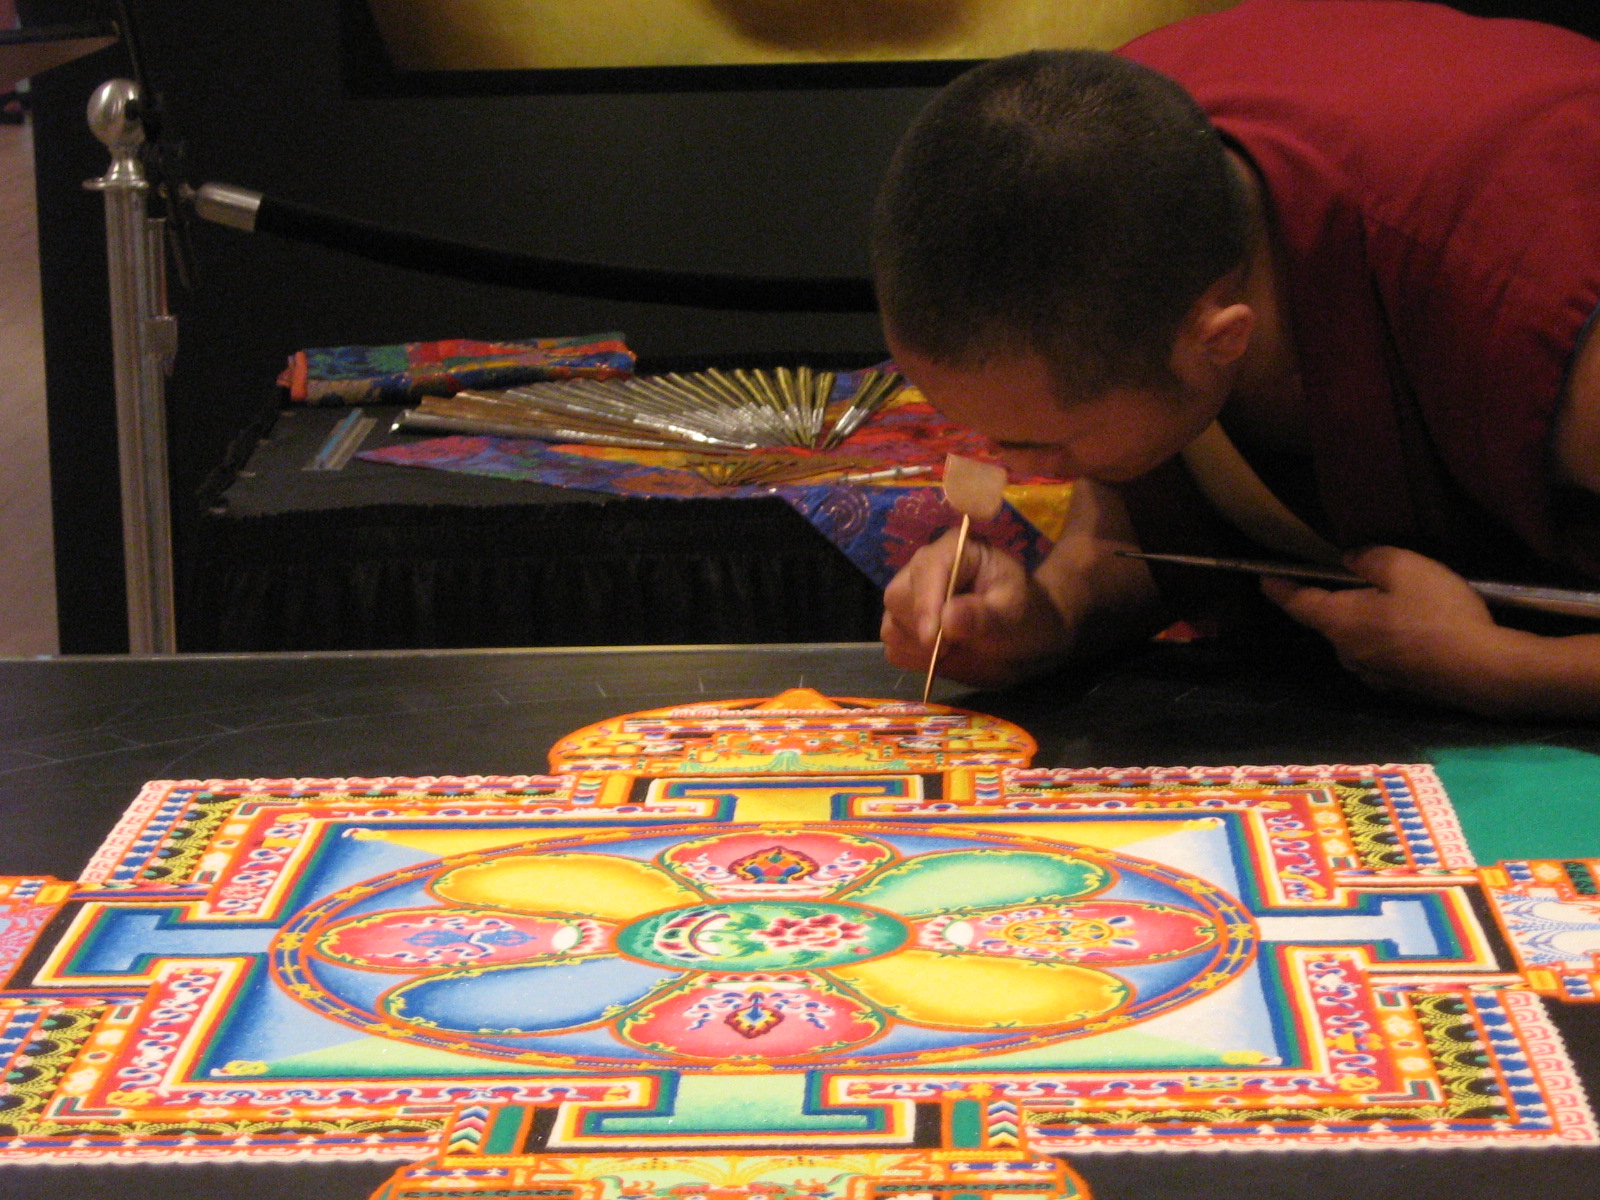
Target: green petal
x=968, y=879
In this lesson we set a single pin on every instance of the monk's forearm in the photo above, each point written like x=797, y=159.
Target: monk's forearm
x=1533, y=676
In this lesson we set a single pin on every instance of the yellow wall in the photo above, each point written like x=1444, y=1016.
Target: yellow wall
x=511, y=34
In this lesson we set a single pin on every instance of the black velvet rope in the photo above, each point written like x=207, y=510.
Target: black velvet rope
x=595, y=281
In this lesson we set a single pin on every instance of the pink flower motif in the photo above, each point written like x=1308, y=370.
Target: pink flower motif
x=916, y=519
x=819, y=931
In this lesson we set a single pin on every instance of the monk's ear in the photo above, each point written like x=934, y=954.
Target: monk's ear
x=1226, y=333
x=1221, y=332
x=1216, y=332
x=1211, y=343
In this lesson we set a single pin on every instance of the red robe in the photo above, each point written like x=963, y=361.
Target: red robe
x=1434, y=182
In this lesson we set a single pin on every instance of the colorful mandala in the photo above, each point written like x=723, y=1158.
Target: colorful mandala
x=785, y=944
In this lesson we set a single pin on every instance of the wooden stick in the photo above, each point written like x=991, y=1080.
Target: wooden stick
x=949, y=591
x=973, y=489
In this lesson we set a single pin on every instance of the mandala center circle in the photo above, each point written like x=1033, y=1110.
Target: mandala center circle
x=763, y=935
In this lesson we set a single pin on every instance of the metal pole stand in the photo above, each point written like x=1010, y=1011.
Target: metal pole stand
x=144, y=339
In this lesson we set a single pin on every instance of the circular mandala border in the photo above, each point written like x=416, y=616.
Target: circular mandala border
x=289, y=952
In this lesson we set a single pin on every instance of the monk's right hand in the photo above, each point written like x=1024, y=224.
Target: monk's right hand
x=999, y=627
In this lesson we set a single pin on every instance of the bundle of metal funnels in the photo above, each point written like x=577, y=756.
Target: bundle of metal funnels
x=710, y=411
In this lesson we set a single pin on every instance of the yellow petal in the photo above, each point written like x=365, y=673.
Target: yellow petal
x=588, y=885
x=969, y=991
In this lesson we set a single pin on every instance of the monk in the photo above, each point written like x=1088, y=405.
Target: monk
x=1303, y=278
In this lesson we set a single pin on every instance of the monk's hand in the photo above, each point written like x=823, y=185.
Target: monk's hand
x=999, y=626
x=1419, y=628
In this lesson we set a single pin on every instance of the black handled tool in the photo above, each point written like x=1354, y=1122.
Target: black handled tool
x=1512, y=595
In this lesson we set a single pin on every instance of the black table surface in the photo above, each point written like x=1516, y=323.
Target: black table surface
x=79, y=736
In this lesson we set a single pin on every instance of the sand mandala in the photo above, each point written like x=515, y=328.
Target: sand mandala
x=791, y=947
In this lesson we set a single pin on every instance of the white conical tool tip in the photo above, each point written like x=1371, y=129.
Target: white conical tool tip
x=974, y=488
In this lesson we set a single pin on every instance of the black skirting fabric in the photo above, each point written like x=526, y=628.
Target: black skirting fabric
x=620, y=572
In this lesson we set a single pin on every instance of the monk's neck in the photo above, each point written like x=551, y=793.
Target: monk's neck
x=1267, y=404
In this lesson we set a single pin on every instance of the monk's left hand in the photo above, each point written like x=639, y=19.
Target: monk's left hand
x=1419, y=628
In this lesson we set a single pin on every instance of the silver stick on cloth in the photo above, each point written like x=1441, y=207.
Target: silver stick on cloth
x=707, y=411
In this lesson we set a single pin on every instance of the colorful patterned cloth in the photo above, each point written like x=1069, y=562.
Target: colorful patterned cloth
x=400, y=374
x=878, y=526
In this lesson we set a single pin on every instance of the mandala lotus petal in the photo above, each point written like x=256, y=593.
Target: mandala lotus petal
x=1112, y=932
x=510, y=1000
x=419, y=939
x=785, y=863
x=963, y=880
x=602, y=886
x=971, y=991
x=770, y=1016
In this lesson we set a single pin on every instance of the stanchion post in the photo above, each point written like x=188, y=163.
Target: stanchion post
x=143, y=342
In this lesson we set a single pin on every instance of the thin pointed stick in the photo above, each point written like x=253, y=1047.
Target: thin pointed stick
x=973, y=489
x=949, y=591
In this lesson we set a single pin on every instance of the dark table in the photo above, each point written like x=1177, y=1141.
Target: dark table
x=79, y=736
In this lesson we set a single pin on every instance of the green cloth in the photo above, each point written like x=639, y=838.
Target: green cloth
x=1524, y=801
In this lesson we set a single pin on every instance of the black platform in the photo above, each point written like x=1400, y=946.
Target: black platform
x=376, y=556
x=79, y=735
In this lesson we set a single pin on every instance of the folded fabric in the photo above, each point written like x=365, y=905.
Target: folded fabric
x=879, y=526
x=335, y=375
